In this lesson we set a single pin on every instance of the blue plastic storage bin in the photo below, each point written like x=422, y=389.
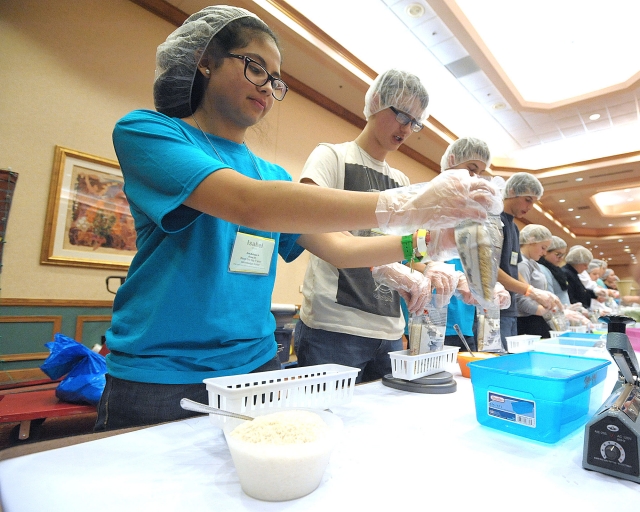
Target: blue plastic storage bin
x=537, y=395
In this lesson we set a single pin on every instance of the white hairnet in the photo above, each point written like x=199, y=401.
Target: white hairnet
x=399, y=89
x=578, y=255
x=608, y=273
x=178, y=57
x=594, y=264
x=523, y=184
x=556, y=243
x=464, y=150
x=534, y=233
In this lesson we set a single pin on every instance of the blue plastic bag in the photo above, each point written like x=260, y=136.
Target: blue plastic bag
x=85, y=370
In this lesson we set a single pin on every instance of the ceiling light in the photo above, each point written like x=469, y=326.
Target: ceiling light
x=610, y=225
x=415, y=10
x=594, y=117
x=577, y=216
x=619, y=239
x=587, y=243
x=561, y=201
x=584, y=223
x=570, y=210
x=634, y=218
x=579, y=179
x=499, y=106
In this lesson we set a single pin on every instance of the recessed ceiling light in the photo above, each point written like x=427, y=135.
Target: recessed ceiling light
x=415, y=10
x=587, y=243
x=584, y=223
x=561, y=201
x=634, y=218
x=619, y=239
x=570, y=210
x=594, y=117
x=499, y=106
x=610, y=225
x=577, y=216
x=579, y=179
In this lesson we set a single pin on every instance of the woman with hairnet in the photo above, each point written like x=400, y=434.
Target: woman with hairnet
x=550, y=267
x=521, y=191
x=534, y=242
x=211, y=218
x=577, y=261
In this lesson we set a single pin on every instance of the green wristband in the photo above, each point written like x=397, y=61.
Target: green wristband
x=407, y=247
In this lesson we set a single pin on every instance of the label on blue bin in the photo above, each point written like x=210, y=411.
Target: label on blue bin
x=509, y=408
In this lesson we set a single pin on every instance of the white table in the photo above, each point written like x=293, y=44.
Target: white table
x=400, y=451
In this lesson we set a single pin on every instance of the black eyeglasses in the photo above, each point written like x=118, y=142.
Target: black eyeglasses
x=405, y=119
x=257, y=75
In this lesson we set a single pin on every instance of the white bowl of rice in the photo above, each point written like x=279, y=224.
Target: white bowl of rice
x=283, y=455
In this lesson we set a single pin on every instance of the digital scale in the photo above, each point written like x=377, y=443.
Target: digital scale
x=611, y=440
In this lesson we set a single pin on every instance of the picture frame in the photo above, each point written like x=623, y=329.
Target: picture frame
x=89, y=222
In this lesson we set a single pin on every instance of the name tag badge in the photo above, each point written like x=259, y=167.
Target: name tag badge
x=514, y=258
x=251, y=254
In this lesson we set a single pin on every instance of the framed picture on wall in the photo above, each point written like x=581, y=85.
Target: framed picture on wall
x=89, y=223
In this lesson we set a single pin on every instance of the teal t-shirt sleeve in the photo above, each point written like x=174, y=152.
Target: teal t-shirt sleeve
x=162, y=164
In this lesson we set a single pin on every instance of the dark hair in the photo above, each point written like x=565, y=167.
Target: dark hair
x=237, y=34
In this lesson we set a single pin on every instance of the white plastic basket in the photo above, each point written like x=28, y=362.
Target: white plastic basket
x=555, y=334
x=313, y=387
x=521, y=343
x=404, y=366
x=578, y=328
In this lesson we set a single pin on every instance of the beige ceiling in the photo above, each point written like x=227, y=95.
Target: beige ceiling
x=326, y=65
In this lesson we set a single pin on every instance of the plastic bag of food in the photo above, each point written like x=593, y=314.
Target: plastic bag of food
x=488, y=336
x=479, y=246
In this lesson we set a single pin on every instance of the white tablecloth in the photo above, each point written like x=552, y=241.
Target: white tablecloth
x=400, y=451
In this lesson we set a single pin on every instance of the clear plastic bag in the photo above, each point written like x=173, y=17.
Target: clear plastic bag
x=479, y=246
x=426, y=332
x=488, y=336
x=556, y=320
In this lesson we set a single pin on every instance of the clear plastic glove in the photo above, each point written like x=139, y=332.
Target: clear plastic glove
x=412, y=286
x=444, y=201
x=444, y=279
x=577, y=306
x=442, y=244
x=502, y=297
x=464, y=293
x=601, y=293
x=546, y=299
x=576, y=318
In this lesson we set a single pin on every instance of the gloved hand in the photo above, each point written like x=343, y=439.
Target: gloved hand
x=442, y=244
x=577, y=306
x=576, y=318
x=502, y=297
x=464, y=293
x=546, y=299
x=601, y=293
x=444, y=279
x=412, y=286
x=447, y=199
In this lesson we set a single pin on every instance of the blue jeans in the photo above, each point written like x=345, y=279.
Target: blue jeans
x=371, y=355
x=126, y=403
x=508, y=327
